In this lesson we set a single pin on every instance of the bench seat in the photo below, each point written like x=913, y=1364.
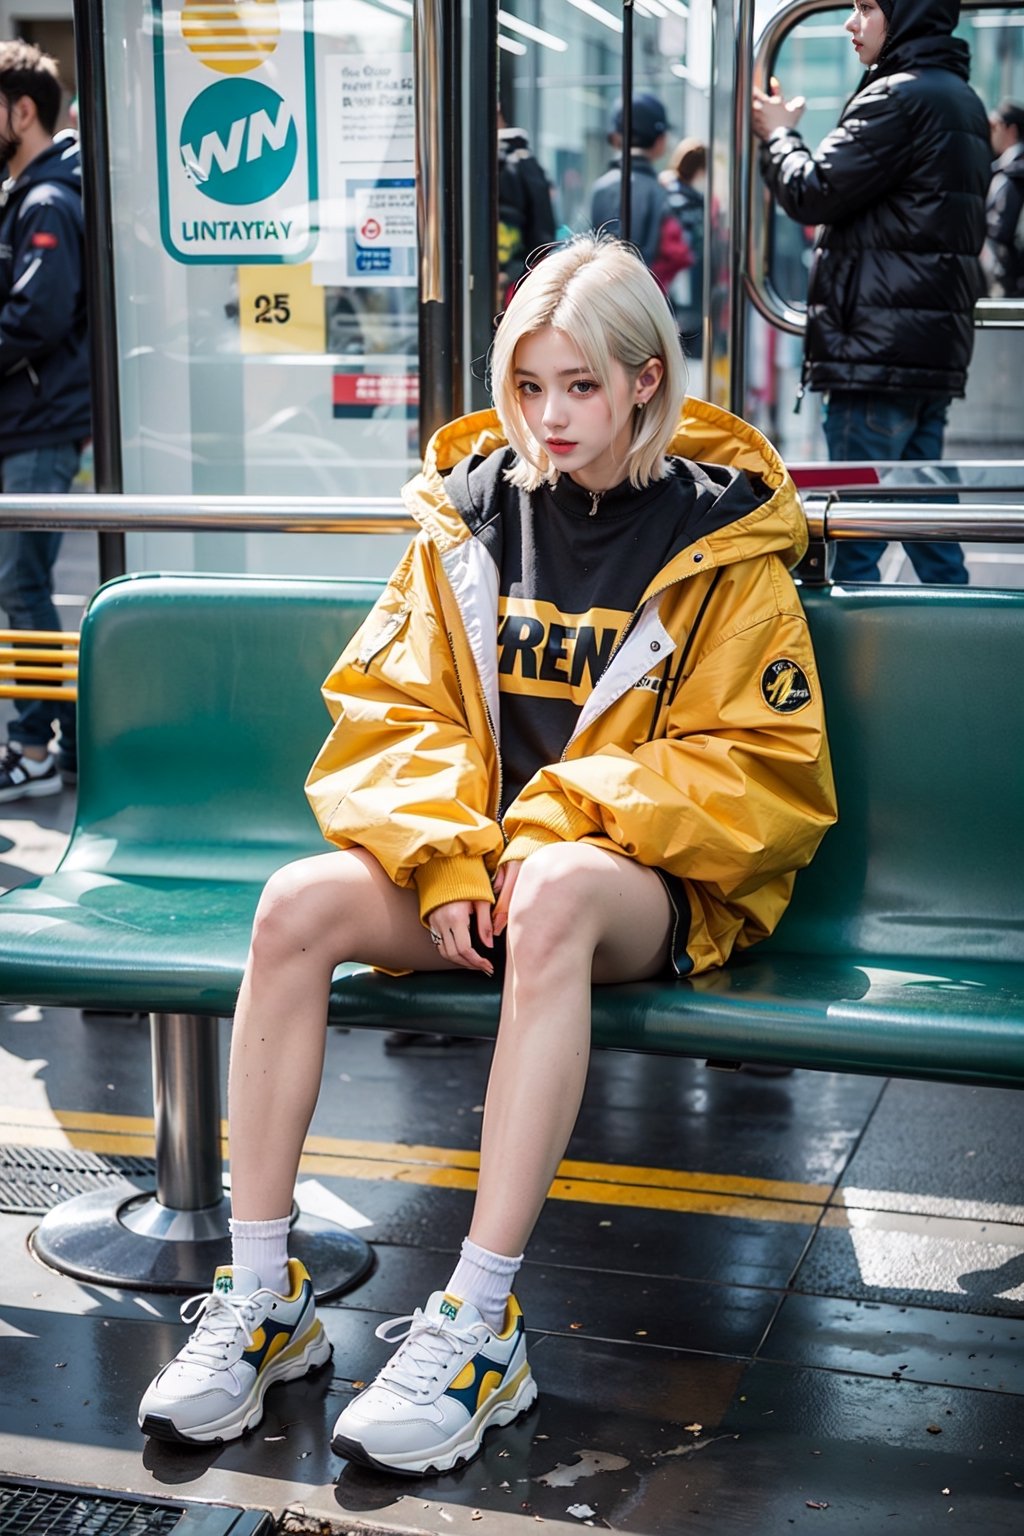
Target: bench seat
x=902, y=952
x=146, y=944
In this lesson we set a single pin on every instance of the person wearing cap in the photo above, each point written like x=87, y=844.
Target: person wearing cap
x=1003, y=257
x=898, y=192
x=654, y=231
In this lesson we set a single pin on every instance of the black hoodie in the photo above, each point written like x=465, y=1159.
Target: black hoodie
x=898, y=189
x=44, y=357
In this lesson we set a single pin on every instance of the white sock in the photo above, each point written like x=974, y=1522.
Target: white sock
x=262, y=1246
x=484, y=1279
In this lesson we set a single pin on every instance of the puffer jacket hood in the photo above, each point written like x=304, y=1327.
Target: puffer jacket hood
x=700, y=749
x=722, y=444
x=913, y=19
x=914, y=23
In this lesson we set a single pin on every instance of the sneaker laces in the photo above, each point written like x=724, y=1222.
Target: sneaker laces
x=427, y=1348
x=219, y=1318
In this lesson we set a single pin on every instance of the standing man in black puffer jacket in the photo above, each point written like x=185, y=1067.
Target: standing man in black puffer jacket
x=898, y=189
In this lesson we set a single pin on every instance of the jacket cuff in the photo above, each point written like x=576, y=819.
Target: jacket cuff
x=550, y=818
x=524, y=843
x=462, y=878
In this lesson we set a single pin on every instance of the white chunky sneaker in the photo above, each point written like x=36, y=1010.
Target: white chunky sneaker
x=449, y=1380
x=23, y=778
x=246, y=1339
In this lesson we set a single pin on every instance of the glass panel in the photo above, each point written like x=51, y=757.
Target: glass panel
x=265, y=261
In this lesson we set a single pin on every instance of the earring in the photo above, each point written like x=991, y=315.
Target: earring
x=640, y=404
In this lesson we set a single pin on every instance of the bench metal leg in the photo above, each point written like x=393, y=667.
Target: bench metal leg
x=173, y=1237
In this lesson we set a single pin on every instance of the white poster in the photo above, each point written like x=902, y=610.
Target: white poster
x=368, y=178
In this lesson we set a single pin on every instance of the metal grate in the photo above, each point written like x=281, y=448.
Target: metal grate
x=31, y=1510
x=35, y=1179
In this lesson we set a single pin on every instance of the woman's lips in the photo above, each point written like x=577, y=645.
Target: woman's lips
x=558, y=445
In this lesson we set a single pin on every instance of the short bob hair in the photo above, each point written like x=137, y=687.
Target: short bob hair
x=599, y=292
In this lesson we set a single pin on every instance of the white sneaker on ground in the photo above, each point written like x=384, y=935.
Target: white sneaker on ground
x=246, y=1339
x=23, y=778
x=449, y=1380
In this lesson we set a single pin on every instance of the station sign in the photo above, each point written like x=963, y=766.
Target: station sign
x=236, y=130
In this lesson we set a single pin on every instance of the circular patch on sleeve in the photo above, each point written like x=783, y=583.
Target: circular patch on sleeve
x=784, y=686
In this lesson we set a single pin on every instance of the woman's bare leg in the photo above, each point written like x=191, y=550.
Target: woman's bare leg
x=313, y=915
x=578, y=914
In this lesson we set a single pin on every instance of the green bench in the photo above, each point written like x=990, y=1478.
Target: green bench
x=902, y=953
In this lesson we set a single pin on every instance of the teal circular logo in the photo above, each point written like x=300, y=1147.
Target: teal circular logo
x=239, y=142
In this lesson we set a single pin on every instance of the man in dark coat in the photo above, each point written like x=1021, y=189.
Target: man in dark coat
x=1004, y=248
x=898, y=190
x=657, y=235
x=44, y=380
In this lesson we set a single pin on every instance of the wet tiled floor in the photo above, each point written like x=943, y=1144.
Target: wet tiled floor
x=699, y=1370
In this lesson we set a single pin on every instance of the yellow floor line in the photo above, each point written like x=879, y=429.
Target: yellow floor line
x=612, y=1184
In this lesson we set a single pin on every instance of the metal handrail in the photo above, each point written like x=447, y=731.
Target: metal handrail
x=988, y=523
x=200, y=514
x=829, y=517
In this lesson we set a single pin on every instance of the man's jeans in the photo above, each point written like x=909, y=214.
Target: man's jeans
x=880, y=427
x=27, y=559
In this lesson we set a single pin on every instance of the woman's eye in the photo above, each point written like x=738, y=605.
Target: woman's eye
x=584, y=386
x=527, y=387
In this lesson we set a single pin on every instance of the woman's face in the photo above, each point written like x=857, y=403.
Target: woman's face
x=867, y=26
x=584, y=428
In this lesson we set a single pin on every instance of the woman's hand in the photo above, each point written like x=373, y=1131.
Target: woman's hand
x=504, y=884
x=771, y=112
x=451, y=923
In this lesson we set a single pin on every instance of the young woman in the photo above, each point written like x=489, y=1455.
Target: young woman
x=623, y=623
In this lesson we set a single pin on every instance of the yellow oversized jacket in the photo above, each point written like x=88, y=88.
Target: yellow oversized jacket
x=732, y=795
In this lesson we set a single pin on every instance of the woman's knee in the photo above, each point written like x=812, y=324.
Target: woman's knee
x=548, y=911
x=292, y=918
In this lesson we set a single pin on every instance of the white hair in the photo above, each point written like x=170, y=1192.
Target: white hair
x=599, y=293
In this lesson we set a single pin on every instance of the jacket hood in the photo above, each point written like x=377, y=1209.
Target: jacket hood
x=61, y=162
x=920, y=36
x=706, y=434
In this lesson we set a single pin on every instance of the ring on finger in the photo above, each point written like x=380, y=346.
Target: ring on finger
x=435, y=938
